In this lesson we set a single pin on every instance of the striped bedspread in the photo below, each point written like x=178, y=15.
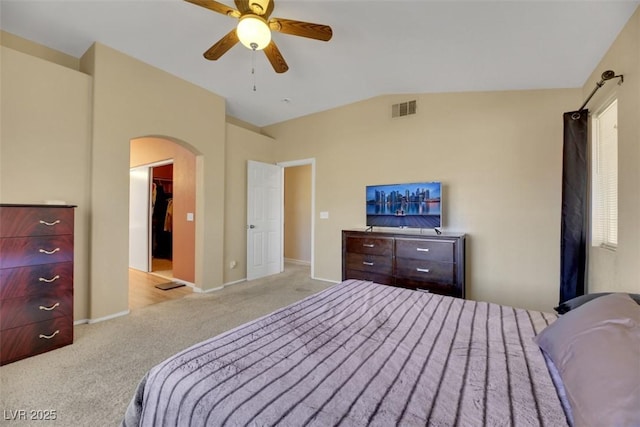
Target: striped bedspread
x=361, y=353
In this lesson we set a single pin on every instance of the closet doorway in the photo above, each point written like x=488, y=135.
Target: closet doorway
x=151, y=219
x=165, y=243
x=162, y=220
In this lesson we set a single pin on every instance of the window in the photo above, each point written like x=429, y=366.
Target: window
x=604, y=183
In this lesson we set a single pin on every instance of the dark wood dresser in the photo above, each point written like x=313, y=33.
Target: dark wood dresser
x=433, y=263
x=36, y=279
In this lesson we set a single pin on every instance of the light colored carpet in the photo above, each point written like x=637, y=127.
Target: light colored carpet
x=90, y=382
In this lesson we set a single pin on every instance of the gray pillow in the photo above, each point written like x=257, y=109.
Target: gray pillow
x=576, y=302
x=596, y=349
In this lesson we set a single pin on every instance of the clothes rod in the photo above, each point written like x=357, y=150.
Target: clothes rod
x=607, y=75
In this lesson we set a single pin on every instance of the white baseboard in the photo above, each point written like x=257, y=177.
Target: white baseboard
x=202, y=291
x=297, y=261
x=109, y=317
x=219, y=288
x=184, y=282
x=234, y=282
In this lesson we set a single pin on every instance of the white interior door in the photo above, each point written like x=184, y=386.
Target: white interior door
x=139, y=218
x=264, y=219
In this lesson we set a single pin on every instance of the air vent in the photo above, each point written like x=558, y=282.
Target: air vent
x=403, y=109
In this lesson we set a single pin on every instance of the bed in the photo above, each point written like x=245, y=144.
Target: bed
x=361, y=353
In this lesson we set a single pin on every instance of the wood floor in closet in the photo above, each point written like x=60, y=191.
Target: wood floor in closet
x=142, y=290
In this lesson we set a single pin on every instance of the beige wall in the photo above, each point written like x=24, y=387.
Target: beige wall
x=45, y=146
x=620, y=270
x=145, y=151
x=498, y=155
x=37, y=50
x=131, y=100
x=242, y=145
x=297, y=213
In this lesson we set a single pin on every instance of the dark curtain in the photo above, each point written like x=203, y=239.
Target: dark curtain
x=574, y=219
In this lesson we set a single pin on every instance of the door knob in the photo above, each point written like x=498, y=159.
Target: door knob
x=252, y=226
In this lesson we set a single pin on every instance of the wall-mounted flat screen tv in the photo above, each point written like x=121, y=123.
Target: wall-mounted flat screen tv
x=412, y=205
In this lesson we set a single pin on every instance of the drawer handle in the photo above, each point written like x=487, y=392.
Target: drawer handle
x=42, y=307
x=422, y=249
x=422, y=270
x=53, y=279
x=44, y=251
x=367, y=263
x=49, y=224
x=48, y=337
x=368, y=245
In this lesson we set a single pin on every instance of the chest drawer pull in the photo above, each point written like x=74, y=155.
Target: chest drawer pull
x=42, y=307
x=368, y=245
x=48, y=337
x=422, y=270
x=44, y=251
x=367, y=263
x=53, y=279
x=422, y=249
x=49, y=224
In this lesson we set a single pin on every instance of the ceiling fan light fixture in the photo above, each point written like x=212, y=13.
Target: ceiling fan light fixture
x=253, y=32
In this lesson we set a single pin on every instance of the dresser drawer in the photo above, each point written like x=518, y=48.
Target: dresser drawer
x=425, y=249
x=35, y=338
x=25, y=251
x=427, y=271
x=35, y=280
x=36, y=308
x=372, y=263
x=42, y=221
x=370, y=245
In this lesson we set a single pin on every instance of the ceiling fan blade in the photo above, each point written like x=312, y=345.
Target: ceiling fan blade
x=303, y=29
x=216, y=7
x=223, y=45
x=275, y=57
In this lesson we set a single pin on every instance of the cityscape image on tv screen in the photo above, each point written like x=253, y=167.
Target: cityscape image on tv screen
x=414, y=205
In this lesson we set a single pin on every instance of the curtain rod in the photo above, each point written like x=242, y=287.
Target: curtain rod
x=607, y=75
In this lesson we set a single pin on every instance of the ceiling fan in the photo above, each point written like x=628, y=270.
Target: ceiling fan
x=254, y=29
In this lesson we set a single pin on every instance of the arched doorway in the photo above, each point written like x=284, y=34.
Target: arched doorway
x=171, y=192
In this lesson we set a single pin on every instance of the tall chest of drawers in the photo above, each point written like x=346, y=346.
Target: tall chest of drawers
x=36, y=279
x=433, y=263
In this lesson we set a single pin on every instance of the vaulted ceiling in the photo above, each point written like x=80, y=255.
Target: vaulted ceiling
x=378, y=47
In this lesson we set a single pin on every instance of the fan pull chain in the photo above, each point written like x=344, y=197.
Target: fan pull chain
x=253, y=65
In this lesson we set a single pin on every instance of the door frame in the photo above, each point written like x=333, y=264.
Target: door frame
x=141, y=216
x=303, y=162
x=149, y=167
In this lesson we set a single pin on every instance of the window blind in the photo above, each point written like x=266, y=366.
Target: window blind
x=605, y=178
